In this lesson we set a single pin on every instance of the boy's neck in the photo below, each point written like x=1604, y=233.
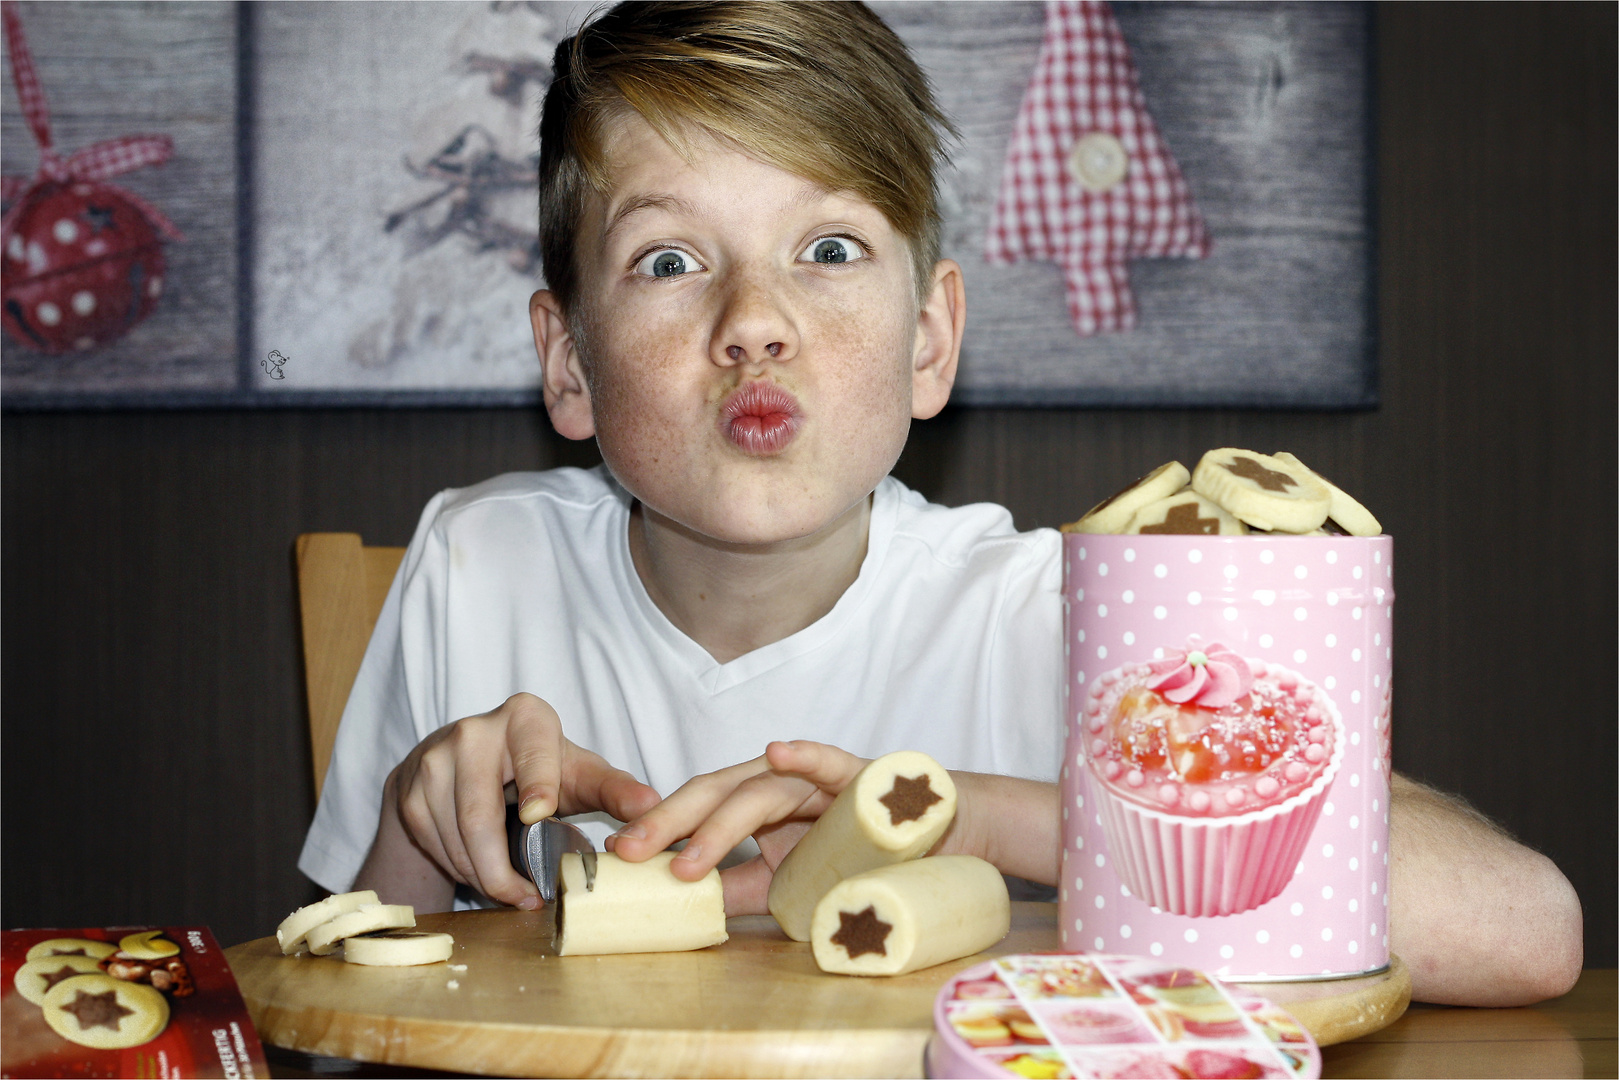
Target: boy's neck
x=732, y=598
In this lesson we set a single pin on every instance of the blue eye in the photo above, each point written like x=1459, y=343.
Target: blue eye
x=666, y=263
x=833, y=249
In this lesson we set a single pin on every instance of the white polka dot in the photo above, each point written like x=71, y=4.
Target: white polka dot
x=65, y=231
x=1129, y=596
x=1194, y=598
x=1354, y=736
x=1326, y=892
x=1100, y=944
x=1299, y=656
x=1265, y=641
x=84, y=342
x=1265, y=596
x=1262, y=937
x=48, y=313
x=1374, y=929
x=1160, y=612
x=1332, y=641
x=1354, y=695
x=1065, y=813
x=1353, y=947
x=1079, y=595
x=1354, y=906
x=1230, y=614
x=1300, y=572
x=1156, y=949
x=1101, y=860
x=1296, y=951
x=1300, y=614
x=1194, y=555
x=1330, y=682
x=1129, y=554
x=1354, y=780
x=1160, y=570
x=1355, y=613
x=1374, y=806
x=1332, y=599
x=1079, y=924
x=1332, y=556
x=1355, y=656
x=1129, y=637
x=1230, y=571
x=1124, y=890
x=1326, y=851
x=1191, y=935
x=1354, y=822
x=1079, y=884
x=1079, y=677
x=1101, y=652
x=1354, y=864
x=1125, y=931
x=1101, y=569
x=1377, y=557
x=1297, y=908
x=1267, y=556
x=15, y=248
x=1377, y=639
x=1357, y=573
x=1101, y=901
x=1227, y=952
x=1081, y=635
x=1328, y=809
x=84, y=302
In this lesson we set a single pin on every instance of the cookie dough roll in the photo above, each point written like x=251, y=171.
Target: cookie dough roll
x=636, y=907
x=910, y=916
x=1113, y=513
x=894, y=811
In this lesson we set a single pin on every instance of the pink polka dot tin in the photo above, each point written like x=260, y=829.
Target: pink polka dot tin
x=1226, y=780
x=1061, y=1016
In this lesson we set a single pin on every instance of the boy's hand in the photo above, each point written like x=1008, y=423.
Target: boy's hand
x=773, y=798
x=450, y=791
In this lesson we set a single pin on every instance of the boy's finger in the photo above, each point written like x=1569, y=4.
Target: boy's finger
x=760, y=800
x=534, y=745
x=676, y=816
x=827, y=767
x=480, y=809
x=747, y=888
x=590, y=783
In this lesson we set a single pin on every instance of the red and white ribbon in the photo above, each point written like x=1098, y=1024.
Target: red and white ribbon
x=96, y=162
x=1088, y=182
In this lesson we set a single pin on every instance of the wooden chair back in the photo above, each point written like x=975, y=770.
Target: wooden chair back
x=341, y=587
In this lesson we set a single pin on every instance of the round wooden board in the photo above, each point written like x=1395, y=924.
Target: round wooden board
x=1337, y=1010
x=754, y=1006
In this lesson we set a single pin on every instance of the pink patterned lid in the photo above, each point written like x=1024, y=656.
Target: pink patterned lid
x=1056, y=1016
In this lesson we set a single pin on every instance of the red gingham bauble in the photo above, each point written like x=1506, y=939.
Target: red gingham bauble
x=82, y=264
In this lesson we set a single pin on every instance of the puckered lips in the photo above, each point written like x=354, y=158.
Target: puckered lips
x=760, y=418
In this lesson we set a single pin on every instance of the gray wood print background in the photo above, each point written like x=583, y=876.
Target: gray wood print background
x=381, y=276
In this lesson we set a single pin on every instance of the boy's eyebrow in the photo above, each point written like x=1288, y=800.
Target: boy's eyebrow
x=651, y=201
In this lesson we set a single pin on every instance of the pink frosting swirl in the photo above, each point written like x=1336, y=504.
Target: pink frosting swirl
x=1210, y=676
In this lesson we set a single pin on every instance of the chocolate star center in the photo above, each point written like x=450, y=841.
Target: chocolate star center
x=910, y=798
x=53, y=977
x=98, y=1010
x=1183, y=520
x=862, y=933
x=1269, y=479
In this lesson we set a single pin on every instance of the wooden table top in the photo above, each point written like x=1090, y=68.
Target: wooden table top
x=758, y=1006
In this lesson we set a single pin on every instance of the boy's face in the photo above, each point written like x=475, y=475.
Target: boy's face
x=752, y=353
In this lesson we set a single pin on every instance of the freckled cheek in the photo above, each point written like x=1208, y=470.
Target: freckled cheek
x=641, y=413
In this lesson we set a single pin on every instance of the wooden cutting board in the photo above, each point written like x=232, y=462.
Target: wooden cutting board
x=754, y=1006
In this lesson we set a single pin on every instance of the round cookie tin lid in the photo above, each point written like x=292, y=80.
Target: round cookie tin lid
x=1060, y=1015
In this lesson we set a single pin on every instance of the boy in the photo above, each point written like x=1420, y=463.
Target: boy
x=746, y=310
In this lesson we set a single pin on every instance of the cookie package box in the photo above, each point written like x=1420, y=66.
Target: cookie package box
x=122, y=1001
x=1226, y=780
x=1054, y=1017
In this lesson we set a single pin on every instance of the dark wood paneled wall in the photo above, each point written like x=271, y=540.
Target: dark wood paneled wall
x=155, y=764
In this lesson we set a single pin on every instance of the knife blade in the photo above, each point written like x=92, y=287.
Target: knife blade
x=537, y=851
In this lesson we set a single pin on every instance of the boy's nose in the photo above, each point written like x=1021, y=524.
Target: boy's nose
x=754, y=327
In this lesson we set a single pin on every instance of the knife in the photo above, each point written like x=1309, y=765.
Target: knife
x=537, y=851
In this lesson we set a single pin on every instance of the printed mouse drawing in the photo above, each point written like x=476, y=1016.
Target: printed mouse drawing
x=273, y=364
x=1210, y=770
x=82, y=259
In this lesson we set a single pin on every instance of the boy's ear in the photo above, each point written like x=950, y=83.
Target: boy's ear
x=562, y=374
x=939, y=327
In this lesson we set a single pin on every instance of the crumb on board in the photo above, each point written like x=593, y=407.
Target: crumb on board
x=453, y=984
x=458, y=967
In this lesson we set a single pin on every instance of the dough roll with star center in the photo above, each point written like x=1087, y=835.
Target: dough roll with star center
x=908, y=916
x=894, y=811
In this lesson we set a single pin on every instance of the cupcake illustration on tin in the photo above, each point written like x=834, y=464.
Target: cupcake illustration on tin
x=1210, y=770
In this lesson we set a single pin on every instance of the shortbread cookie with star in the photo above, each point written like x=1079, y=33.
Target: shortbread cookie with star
x=1263, y=491
x=1186, y=514
x=1113, y=513
x=895, y=810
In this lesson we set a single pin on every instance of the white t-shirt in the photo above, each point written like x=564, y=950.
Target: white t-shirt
x=948, y=642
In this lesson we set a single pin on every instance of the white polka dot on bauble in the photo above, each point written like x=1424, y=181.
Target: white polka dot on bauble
x=1156, y=949
x=15, y=249
x=1297, y=908
x=1125, y=931
x=1194, y=598
x=84, y=302
x=1300, y=572
x=48, y=313
x=1296, y=951
x=1101, y=569
x=1300, y=614
x=84, y=343
x=65, y=231
x=1267, y=556
x=1191, y=936
x=1194, y=556
x=154, y=287
x=1262, y=937
x=1160, y=612
x=1160, y=570
x=1227, y=952
x=1265, y=641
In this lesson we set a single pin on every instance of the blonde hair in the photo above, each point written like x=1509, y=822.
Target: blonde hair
x=821, y=89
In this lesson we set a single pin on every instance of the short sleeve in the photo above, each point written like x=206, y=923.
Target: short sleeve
x=396, y=702
x=1028, y=675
